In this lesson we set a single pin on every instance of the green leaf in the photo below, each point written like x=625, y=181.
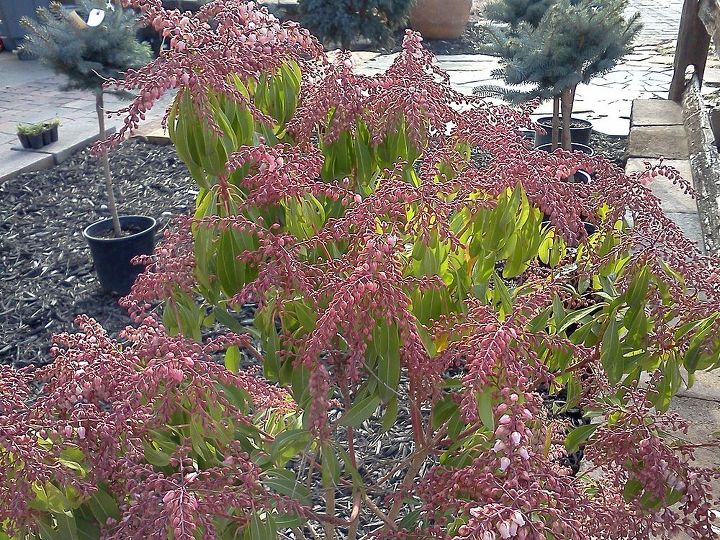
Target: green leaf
x=485, y=408
x=283, y=481
x=387, y=344
x=390, y=416
x=230, y=271
x=156, y=457
x=330, y=466
x=578, y=436
x=502, y=294
x=288, y=444
x=103, y=506
x=300, y=377
x=576, y=316
x=232, y=359
x=66, y=526
x=410, y=521
x=262, y=529
x=443, y=410
x=360, y=411
x=611, y=354
x=632, y=488
x=558, y=312
x=692, y=357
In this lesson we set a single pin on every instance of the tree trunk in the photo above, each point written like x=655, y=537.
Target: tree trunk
x=555, y=123
x=100, y=109
x=567, y=98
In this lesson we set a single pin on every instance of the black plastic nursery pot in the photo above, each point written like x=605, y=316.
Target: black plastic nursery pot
x=24, y=140
x=576, y=147
x=580, y=131
x=50, y=135
x=112, y=256
x=36, y=141
x=527, y=133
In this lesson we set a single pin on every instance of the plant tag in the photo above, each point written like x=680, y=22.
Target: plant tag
x=96, y=17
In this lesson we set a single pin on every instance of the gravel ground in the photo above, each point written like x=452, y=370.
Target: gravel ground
x=47, y=275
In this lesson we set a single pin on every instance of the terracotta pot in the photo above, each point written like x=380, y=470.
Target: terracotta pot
x=440, y=19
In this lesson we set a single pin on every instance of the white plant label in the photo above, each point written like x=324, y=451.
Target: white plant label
x=96, y=17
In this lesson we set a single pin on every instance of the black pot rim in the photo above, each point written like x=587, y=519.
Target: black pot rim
x=591, y=153
x=106, y=224
x=546, y=121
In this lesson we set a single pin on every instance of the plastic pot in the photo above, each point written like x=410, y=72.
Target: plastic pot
x=526, y=133
x=576, y=147
x=36, y=141
x=440, y=19
x=579, y=134
x=50, y=135
x=112, y=256
x=24, y=140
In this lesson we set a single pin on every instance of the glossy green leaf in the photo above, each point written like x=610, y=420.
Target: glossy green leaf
x=387, y=344
x=390, y=416
x=154, y=456
x=360, y=411
x=290, y=443
x=611, y=353
x=283, y=481
x=485, y=409
x=578, y=436
x=232, y=359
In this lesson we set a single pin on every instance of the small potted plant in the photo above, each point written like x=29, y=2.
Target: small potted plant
x=50, y=131
x=31, y=135
x=564, y=43
x=37, y=135
x=90, y=54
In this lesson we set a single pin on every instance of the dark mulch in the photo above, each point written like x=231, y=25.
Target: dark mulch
x=46, y=276
x=613, y=147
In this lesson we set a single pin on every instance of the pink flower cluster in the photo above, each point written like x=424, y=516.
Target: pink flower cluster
x=104, y=401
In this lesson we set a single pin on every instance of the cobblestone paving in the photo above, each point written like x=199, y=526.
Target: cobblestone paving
x=607, y=101
x=661, y=19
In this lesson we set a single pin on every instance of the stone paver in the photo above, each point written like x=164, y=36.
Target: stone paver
x=645, y=73
x=658, y=141
x=672, y=197
x=29, y=92
x=656, y=126
x=656, y=112
x=690, y=226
